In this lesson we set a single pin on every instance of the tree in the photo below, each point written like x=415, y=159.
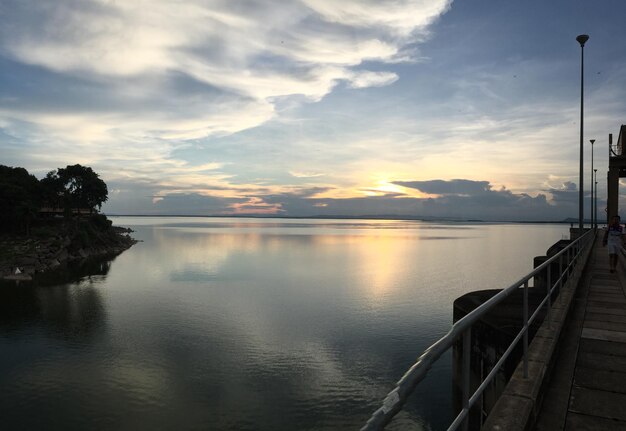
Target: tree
x=53, y=190
x=20, y=198
x=75, y=187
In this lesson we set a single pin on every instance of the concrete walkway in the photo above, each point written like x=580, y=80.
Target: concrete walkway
x=587, y=390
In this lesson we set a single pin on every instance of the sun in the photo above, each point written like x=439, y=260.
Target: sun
x=385, y=186
x=388, y=187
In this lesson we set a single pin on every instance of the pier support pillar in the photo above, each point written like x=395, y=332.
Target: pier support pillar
x=617, y=170
x=612, y=182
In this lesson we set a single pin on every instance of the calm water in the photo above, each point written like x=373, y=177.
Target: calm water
x=249, y=324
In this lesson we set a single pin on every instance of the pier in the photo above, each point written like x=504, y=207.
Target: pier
x=580, y=382
x=568, y=353
x=587, y=389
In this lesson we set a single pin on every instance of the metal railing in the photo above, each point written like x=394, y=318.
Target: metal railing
x=393, y=402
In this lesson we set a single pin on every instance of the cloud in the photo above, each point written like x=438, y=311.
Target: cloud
x=191, y=203
x=393, y=15
x=128, y=87
x=184, y=70
x=299, y=174
x=372, y=79
x=451, y=187
x=566, y=193
x=268, y=98
x=458, y=199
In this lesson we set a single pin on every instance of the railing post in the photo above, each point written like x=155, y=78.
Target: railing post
x=561, y=279
x=549, y=302
x=467, y=340
x=525, y=313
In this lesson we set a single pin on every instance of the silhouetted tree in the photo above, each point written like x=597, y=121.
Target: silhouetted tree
x=53, y=190
x=20, y=198
x=75, y=187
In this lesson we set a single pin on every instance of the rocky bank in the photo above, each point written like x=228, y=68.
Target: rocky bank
x=59, y=241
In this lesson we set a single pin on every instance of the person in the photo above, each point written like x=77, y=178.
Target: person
x=613, y=239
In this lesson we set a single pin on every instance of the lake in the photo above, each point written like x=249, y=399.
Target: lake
x=250, y=324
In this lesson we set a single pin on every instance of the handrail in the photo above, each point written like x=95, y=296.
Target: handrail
x=395, y=399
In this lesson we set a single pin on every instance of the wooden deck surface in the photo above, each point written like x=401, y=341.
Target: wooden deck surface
x=587, y=390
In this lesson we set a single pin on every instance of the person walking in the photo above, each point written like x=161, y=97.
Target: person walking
x=614, y=239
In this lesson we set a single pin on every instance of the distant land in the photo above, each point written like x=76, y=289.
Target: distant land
x=568, y=220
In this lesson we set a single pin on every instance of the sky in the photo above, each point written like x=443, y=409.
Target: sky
x=407, y=108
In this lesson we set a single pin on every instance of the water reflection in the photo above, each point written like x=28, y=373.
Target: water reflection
x=260, y=325
x=71, y=309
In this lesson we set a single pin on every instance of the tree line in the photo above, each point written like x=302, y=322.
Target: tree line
x=69, y=190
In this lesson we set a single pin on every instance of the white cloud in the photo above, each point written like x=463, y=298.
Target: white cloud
x=251, y=53
x=396, y=15
x=299, y=174
x=372, y=79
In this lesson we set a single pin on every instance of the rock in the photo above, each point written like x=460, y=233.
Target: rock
x=29, y=260
x=18, y=277
x=62, y=255
x=5, y=270
x=28, y=269
x=41, y=254
x=120, y=229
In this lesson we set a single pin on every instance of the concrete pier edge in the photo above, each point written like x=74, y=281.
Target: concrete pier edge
x=518, y=406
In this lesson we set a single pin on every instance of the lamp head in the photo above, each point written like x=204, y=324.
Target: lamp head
x=582, y=39
x=592, y=141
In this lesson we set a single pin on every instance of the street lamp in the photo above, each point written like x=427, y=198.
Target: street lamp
x=581, y=39
x=591, y=183
x=595, y=210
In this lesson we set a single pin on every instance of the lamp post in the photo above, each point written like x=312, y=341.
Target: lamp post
x=595, y=204
x=581, y=39
x=591, y=183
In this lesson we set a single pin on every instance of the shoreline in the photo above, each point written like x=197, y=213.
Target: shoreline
x=25, y=256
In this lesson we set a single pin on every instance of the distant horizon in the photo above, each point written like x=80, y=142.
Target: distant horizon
x=355, y=217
